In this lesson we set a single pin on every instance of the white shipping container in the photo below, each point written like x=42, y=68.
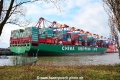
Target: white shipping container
x=69, y=39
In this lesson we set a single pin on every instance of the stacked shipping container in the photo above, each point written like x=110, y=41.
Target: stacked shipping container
x=57, y=35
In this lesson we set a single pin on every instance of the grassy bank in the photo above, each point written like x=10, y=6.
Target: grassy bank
x=91, y=72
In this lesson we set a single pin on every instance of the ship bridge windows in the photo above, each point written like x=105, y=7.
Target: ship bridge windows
x=18, y=45
x=15, y=45
x=21, y=45
x=10, y=45
x=28, y=44
x=24, y=44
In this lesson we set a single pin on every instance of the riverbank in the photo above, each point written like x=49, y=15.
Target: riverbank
x=87, y=72
x=8, y=53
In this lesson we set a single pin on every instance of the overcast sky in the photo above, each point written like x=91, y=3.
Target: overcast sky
x=88, y=15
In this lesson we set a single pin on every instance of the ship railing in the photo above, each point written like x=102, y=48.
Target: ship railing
x=19, y=45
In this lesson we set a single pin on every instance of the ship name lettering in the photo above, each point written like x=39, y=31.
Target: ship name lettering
x=67, y=48
x=84, y=48
x=80, y=48
x=94, y=49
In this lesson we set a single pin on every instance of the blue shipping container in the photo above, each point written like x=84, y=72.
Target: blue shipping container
x=64, y=38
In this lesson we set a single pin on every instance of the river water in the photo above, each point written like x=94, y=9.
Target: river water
x=7, y=62
x=103, y=59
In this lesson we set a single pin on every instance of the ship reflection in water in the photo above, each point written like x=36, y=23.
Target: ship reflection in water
x=107, y=58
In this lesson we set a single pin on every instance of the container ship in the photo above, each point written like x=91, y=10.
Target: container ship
x=52, y=38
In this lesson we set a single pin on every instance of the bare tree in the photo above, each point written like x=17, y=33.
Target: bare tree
x=112, y=7
x=13, y=11
x=114, y=31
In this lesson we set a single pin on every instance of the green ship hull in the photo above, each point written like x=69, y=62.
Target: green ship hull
x=52, y=49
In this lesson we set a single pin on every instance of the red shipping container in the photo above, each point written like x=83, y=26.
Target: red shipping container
x=49, y=40
x=64, y=42
x=56, y=41
x=76, y=42
x=41, y=40
x=74, y=36
x=83, y=43
x=98, y=44
x=69, y=43
x=28, y=39
x=85, y=36
x=20, y=41
x=14, y=41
